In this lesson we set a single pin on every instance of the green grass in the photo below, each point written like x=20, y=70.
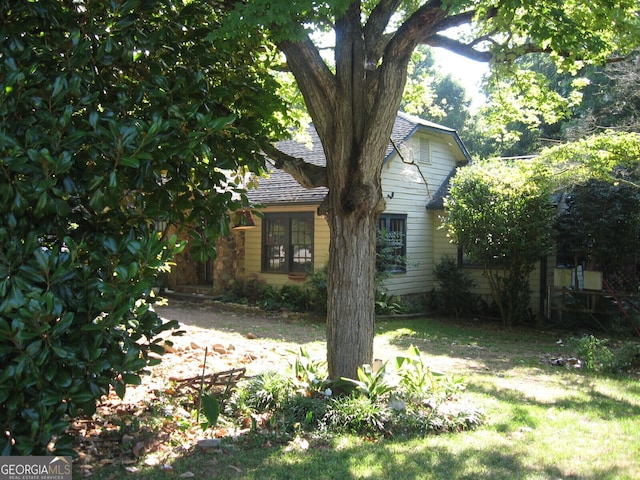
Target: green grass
x=542, y=422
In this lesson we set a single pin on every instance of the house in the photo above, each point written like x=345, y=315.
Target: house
x=291, y=239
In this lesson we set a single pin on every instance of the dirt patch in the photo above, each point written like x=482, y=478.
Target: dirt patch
x=232, y=338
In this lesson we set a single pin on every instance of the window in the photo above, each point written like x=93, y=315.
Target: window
x=465, y=260
x=391, y=249
x=424, y=152
x=287, y=242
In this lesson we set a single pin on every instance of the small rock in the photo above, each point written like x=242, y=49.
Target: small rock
x=219, y=349
x=152, y=461
x=138, y=449
x=210, y=443
x=195, y=346
x=251, y=336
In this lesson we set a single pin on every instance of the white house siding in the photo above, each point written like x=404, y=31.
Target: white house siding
x=405, y=192
x=253, y=248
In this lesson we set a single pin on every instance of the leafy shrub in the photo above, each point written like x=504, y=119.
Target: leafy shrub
x=416, y=379
x=375, y=384
x=594, y=352
x=302, y=412
x=310, y=376
x=70, y=331
x=598, y=355
x=94, y=119
x=627, y=356
x=388, y=304
x=409, y=399
x=439, y=418
x=455, y=287
x=268, y=391
x=308, y=297
x=317, y=287
x=355, y=414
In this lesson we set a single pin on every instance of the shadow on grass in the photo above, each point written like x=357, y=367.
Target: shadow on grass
x=581, y=398
x=242, y=320
x=490, y=346
x=395, y=460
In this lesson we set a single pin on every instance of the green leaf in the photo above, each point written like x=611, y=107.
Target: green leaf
x=120, y=388
x=132, y=162
x=210, y=408
x=131, y=379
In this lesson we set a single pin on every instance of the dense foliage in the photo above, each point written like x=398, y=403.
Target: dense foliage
x=113, y=115
x=500, y=214
x=455, y=297
x=399, y=398
x=600, y=230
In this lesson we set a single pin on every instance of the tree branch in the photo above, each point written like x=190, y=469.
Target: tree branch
x=312, y=76
x=307, y=174
x=455, y=46
x=422, y=24
x=375, y=39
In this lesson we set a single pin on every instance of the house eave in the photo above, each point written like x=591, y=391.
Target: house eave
x=421, y=125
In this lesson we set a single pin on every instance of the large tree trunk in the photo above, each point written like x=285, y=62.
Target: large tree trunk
x=352, y=207
x=353, y=112
x=351, y=294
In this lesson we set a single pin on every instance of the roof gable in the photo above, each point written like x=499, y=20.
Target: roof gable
x=281, y=188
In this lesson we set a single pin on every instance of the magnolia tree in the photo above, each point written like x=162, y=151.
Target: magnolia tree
x=113, y=116
x=353, y=98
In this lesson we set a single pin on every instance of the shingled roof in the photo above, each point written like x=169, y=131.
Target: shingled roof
x=280, y=188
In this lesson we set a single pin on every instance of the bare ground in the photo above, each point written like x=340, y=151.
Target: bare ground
x=239, y=337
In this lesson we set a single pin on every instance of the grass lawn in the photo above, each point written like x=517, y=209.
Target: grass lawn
x=542, y=421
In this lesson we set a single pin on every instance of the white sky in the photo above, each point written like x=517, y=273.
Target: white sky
x=468, y=72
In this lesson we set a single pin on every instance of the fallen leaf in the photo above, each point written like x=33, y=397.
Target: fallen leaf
x=187, y=475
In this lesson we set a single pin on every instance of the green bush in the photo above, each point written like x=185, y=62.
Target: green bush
x=401, y=396
x=70, y=330
x=267, y=391
x=599, y=355
x=594, y=353
x=455, y=287
x=355, y=414
x=108, y=124
x=388, y=304
x=308, y=297
x=304, y=412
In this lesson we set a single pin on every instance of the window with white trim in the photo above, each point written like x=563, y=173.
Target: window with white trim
x=391, y=248
x=287, y=245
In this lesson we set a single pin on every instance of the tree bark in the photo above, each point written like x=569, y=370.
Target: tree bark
x=351, y=295
x=354, y=111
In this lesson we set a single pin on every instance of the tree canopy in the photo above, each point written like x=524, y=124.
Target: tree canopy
x=114, y=117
